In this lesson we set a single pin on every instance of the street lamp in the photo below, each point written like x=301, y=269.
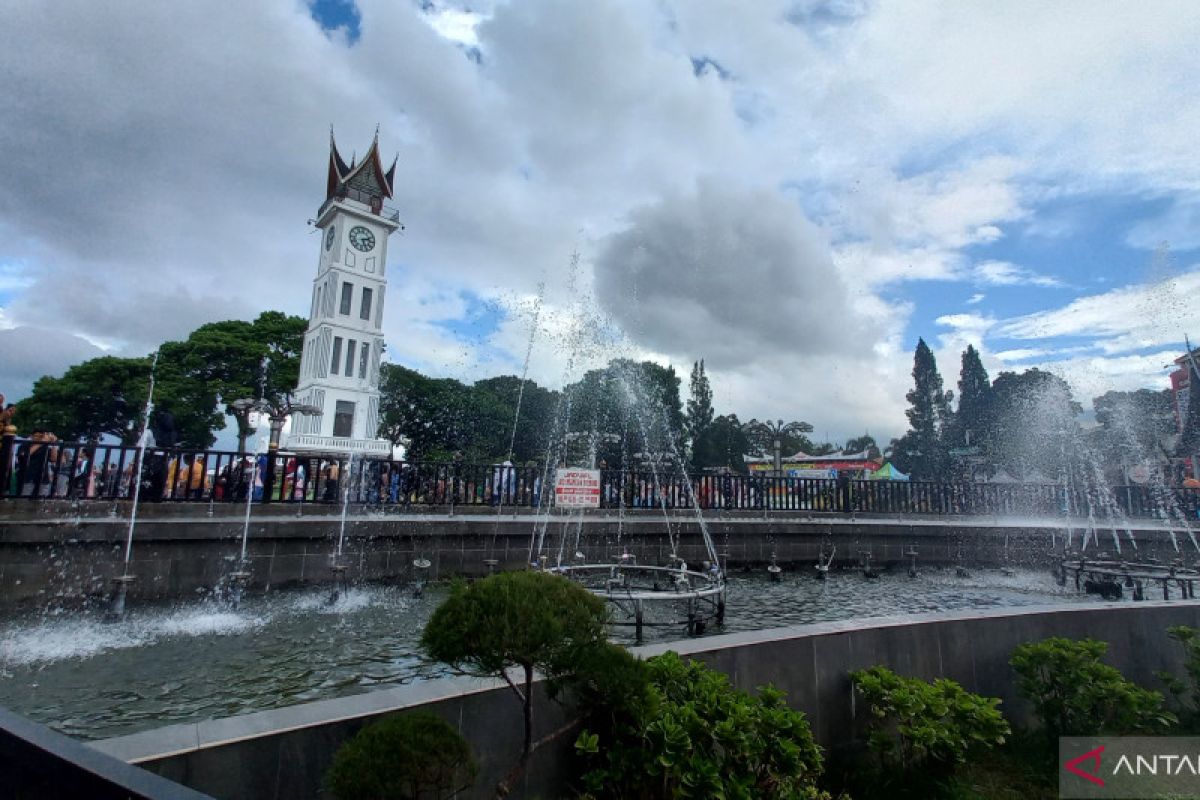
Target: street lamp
x=277, y=413
x=776, y=431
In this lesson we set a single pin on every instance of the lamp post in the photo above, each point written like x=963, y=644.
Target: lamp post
x=776, y=431
x=277, y=413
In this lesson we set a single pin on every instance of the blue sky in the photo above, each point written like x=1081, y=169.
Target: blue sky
x=794, y=191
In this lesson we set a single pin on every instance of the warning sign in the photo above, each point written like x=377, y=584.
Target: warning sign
x=577, y=488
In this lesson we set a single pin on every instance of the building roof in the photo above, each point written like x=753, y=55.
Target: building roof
x=367, y=175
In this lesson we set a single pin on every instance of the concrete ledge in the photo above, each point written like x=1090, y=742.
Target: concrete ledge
x=285, y=752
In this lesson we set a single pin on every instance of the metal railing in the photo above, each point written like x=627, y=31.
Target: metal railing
x=106, y=472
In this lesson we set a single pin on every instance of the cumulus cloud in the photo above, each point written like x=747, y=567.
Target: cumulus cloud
x=735, y=274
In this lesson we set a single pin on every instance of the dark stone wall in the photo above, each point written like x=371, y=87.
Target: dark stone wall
x=59, y=553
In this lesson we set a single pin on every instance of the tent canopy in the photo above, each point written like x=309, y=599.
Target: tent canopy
x=888, y=473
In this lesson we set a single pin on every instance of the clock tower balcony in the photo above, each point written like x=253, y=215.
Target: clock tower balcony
x=366, y=207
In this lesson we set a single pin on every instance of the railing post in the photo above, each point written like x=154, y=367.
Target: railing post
x=7, y=440
x=269, y=473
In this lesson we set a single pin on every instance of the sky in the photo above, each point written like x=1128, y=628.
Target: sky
x=793, y=191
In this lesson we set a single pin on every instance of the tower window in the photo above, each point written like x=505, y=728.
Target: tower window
x=343, y=418
x=337, y=355
x=362, y=360
x=350, y=359
x=347, y=296
x=365, y=310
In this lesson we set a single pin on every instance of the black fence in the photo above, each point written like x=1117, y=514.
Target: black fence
x=106, y=472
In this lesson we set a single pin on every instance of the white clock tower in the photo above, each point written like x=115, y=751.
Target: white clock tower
x=339, y=368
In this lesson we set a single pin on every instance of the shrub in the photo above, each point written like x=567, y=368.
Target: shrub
x=1075, y=694
x=405, y=757
x=928, y=726
x=695, y=736
x=1189, y=706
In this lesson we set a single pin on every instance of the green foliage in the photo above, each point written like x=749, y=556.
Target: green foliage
x=699, y=405
x=1075, y=694
x=106, y=396
x=531, y=620
x=602, y=400
x=791, y=437
x=404, y=757
x=525, y=619
x=234, y=360
x=692, y=735
x=921, y=452
x=1186, y=692
x=931, y=727
x=442, y=416
x=722, y=444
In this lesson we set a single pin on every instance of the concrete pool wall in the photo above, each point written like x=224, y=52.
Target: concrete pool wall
x=56, y=552
x=285, y=752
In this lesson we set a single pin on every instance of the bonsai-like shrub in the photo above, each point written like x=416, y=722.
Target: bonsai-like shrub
x=406, y=757
x=692, y=735
x=1075, y=694
x=523, y=620
x=917, y=725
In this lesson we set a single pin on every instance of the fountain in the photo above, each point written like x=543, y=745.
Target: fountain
x=121, y=583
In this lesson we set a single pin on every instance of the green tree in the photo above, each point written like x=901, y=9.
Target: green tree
x=524, y=620
x=435, y=415
x=722, y=444
x=409, y=756
x=865, y=443
x=974, y=402
x=103, y=396
x=921, y=452
x=235, y=360
x=537, y=408
x=699, y=405
x=106, y=396
x=692, y=735
x=1033, y=424
x=1134, y=427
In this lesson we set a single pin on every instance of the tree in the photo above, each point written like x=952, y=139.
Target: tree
x=524, y=620
x=699, y=405
x=537, y=409
x=722, y=444
x=779, y=438
x=865, y=443
x=1033, y=423
x=103, y=396
x=921, y=452
x=106, y=396
x=236, y=360
x=1134, y=427
x=974, y=402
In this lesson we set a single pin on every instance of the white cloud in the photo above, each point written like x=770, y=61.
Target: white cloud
x=1121, y=320
x=976, y=298
x=1002, y=273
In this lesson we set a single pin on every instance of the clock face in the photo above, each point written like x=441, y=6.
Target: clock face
x=329, y=237
x=362, y=239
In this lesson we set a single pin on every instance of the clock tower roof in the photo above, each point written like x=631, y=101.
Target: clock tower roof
x=365, y=179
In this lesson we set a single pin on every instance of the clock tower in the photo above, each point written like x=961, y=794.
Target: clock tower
x=339, y=367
